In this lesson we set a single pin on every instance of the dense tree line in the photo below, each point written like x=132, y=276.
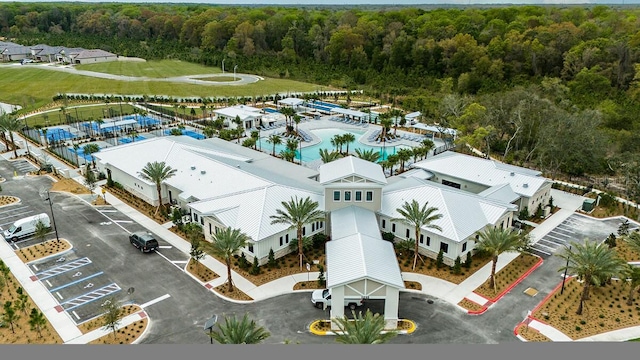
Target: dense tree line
x=548, y=86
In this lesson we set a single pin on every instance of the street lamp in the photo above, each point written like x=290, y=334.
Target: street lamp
x=52, y=217
x=209, y=325
x=565, y=272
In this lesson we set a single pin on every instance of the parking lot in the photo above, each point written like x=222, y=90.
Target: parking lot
x=577, y=228
x=77, y=284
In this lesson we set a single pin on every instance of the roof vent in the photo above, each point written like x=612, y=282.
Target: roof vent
x=203, y=172
x=512, y=174
x=525, y=185
x=193, y=168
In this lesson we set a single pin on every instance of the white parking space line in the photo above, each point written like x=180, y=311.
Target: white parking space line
x=48, y=283
x=156, y=300
x=165, y=247
x=180, y=262
x=108, y=211
x=76, y=315
x=60, y=296
x=166, y=258
x=35, y=267
x=123, y=221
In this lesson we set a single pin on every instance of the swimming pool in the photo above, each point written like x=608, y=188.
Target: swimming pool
x=312, y=153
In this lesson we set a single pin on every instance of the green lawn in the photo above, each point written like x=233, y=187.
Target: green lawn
x=82, y=112
x=35, y=87
x=153, y=69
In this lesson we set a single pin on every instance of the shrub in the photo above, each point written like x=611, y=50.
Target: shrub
x=578, y=328
x=255, y=269
x=440, y=260
x=242, y=262
x=272, y=260
x=389, y=236
x=321, y=280
x=467, y=263
x=457, y=266
x=319, y=240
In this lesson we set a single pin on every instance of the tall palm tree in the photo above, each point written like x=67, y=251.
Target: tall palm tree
x=327, y=156
x=593, y=262
x=365, y=329
x=386, y=122
x=495, y=241
x=274, y=139
x=157, y=172
x=133, y=135
x=243, y=331
x=298, y=212
x=633, y=239
x=10, y=123
x=227, y=242
x=404, y=155
x=368, y=155
x=418, y=217
x=91, y=149
x=393, y=160
x=209, y=131
x=296, y=119
x=348, y=138
x=76, y=147
x=633, y=280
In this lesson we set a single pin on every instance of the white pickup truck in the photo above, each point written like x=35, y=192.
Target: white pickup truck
x=322, y=300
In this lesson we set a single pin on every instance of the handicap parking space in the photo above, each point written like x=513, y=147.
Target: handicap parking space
x=76, y=283
x=575, y=228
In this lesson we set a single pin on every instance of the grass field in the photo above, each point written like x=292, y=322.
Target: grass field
x=152, y=69
x=84, y=112
x=34, y=88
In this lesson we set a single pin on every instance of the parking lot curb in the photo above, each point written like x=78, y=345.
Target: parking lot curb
x=53, y=255
x=412, y=328
x=146, y=328
x=13, y=203
x=229, y=299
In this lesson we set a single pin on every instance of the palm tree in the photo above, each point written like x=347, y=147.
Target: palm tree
x=418, y=217
x=288, y=155
x=404, y=155
x=393, y=160
x=593, y=262
x=133, y=135
x=10, y=123
x=633, y=239
x=495, y=241
x=157, y=172
x=292, y=146
x=209, y=131
x=368, y=155
x=327, y=156
x=386, y=122
x=76, y=147
x=275, y=140
x=227, y=242
x=297, y=213
x=347, y=139
x=297, y=119
x=242, y=331
x=365, y=329
x=91, y=149
x=633, y=280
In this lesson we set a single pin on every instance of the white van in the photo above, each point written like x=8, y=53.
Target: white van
x=25, y=227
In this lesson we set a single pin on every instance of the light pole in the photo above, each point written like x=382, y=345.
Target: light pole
x=52, y=217
x=565, y=272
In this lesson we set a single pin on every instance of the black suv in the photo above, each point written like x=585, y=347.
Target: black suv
x=143, y=241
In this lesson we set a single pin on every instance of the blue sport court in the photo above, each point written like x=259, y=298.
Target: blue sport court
x=58, y=134
x=126, y=140
x=190, y=133
x=81, y=154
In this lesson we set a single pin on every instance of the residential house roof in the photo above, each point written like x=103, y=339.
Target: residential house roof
x=93, y=53
x=291, y=101
x=463, y=213
x=349, y=166
x=524, y=182
x=16, y=50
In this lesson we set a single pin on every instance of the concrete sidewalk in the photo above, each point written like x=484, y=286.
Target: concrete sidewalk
x=100, y=332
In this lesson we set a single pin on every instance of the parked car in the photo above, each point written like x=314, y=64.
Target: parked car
x=25, y=61
x=24, y=227
x=322, y=300
x=145, y=242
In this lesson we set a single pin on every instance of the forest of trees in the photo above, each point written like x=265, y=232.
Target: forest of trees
x=547, y=86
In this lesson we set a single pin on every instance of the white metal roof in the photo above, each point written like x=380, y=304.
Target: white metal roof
x=463, y=213
x=291, y=101
x=435, y=128
x=242, y=111
x=413, y=115
x=109, y=124
x=250, y=210
x=352, y=220
x=349, y=112
x=524, y=182
x=360, y=256
x=501, y=192
x=348, y=166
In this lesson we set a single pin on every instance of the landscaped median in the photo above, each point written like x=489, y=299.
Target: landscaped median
x=506, y=279
x=323, y=327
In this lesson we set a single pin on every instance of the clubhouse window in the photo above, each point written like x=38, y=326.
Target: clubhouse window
x=358, y=195
x=347, y=196
x=336, y=196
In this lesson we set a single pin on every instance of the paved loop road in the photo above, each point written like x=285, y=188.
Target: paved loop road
x=242, y=79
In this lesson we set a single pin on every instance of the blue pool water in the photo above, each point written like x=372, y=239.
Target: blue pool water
x=271, y=111
x=312, y=153
x=190, y=133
